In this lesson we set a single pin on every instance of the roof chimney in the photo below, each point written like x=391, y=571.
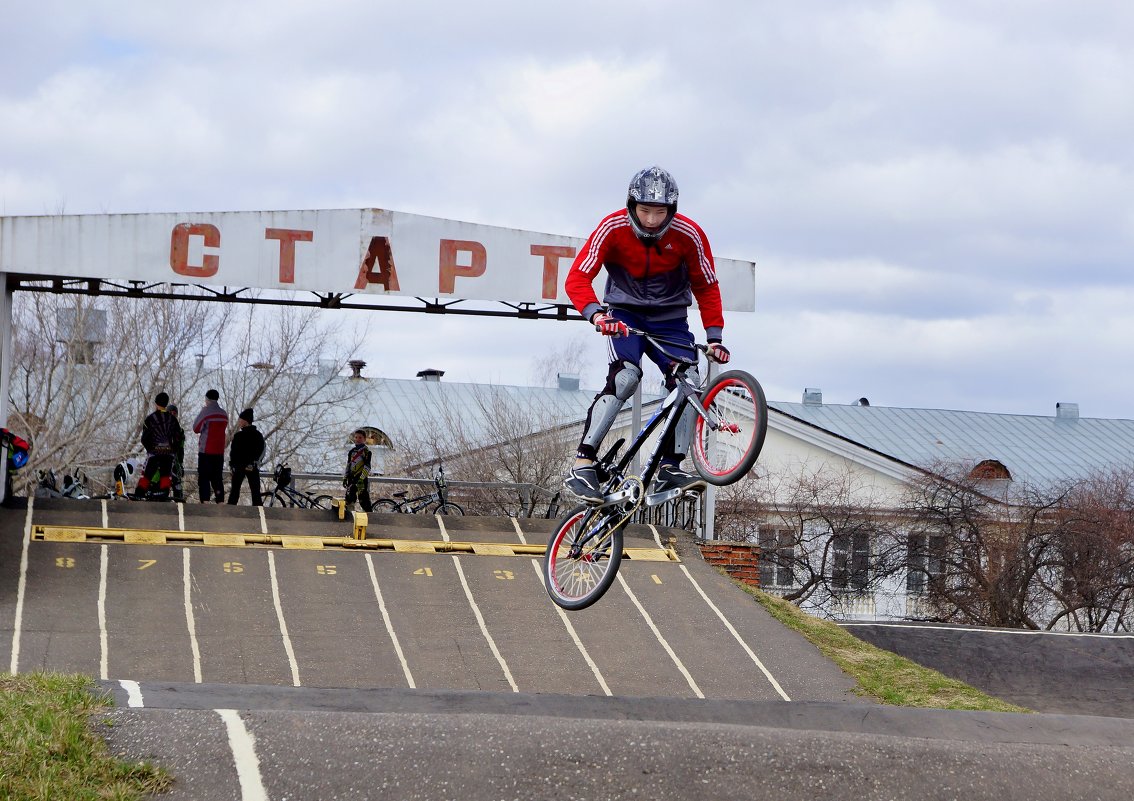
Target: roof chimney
x=812, y=397
x=1067, y=411
x=431, y=374
x=568, y=381
x=356, y=366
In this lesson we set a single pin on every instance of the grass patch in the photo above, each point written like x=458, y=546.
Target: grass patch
x=881, y=675
x=48, y=749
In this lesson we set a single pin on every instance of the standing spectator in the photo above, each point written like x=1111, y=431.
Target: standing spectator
x=211, y=425
x=160, y=433
x=178, y=475
x=357, y=477
x=244, y=458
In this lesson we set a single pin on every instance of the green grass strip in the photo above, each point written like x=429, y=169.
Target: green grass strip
x=881, y=675
x=49, y=751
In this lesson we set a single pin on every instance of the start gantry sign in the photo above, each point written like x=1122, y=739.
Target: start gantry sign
x=362, y=251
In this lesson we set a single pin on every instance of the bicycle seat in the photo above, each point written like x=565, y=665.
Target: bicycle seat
x=399, y=495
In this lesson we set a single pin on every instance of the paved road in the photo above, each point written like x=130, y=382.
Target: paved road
x=452, y=675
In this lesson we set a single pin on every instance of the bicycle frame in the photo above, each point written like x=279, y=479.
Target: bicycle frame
x=667, y=416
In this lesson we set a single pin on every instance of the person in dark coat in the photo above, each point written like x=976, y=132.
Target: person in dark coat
x=244, y=458
x=160, y=434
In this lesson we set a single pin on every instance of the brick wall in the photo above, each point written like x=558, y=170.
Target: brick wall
x=740, y=561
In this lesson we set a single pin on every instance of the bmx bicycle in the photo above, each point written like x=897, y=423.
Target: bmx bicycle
x=437, y=502
x=285, y=493
x=731, y=421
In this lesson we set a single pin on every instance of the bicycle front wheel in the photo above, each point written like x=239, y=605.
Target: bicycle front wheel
x=275, y=499
x=582, y=557
x=725, y=446
x=449, y=509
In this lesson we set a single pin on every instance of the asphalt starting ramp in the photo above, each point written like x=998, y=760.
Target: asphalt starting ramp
x=291, y=598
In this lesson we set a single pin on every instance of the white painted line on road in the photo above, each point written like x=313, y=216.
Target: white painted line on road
x=732, y=630
x=190, y=621
x=661, y=639
x=180, y=517
x=657, y=537
x=519, y=531
x=389, y=623
x=979, y=630
x=21, y=588
x=280, y=617
x=574, y=636
x=102, y=639
x=263, y=521
x=441, y=525
x=105, y=515
x=133, y=693
x=243, y=746
x=483, y=627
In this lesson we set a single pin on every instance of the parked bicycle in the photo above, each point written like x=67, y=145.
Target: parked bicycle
x=584, y=552
x=436, y=502
x=285, y=493
x=73, y=485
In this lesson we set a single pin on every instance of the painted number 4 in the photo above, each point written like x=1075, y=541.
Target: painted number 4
x=423, y=571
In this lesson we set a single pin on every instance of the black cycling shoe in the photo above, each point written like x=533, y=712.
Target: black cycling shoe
x=584, y=482
x=672, y=477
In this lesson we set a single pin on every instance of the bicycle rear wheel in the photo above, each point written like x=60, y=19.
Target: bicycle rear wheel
x=449, y=509
x=582, y=556
x=385, y=505
x=736, y=405
x=322, y=502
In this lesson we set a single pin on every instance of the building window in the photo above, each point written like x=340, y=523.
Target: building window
x=777, y=554
x=850, y=560
x=925, y=561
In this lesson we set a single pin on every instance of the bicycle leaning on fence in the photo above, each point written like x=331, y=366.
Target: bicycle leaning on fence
x=584, y=552
x=285, y=493
x=436, y=502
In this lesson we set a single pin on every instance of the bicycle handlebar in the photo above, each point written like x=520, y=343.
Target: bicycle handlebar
x=660, y=341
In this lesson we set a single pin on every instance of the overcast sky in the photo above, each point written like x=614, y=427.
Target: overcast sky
x=938, y=196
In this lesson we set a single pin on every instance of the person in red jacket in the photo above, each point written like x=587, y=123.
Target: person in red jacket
x=211, y=424
x=656, y=262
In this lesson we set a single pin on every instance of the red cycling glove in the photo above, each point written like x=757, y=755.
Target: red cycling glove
x=609, y=326
x=718, y=353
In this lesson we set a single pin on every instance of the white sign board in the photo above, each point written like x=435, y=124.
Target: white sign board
x=350, y=251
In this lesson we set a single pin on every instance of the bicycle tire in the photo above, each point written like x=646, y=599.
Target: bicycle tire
x=576, y=581
x=448, y=508
x=385, y=505
x=725, y=456
x=322, y=502
x=276, y=498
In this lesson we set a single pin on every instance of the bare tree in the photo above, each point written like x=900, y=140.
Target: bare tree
x=1093, y=581
x=85, y=371
x=994, y=544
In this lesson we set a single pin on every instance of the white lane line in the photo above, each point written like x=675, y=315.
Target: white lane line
x=180, y=517
x=389, y=623
x=994, y=631
x=736, y=635
x=441, y=525
x=243, y=746
x=105, y=515
x=484, y=628
x=280, y=617
x=190, y=621
x=657, y=537
x=21, y=588
x=519, y=531
x=102, y=638
x=574, y=636
x=650, y=622
x=263, y=521
x=133, y=693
